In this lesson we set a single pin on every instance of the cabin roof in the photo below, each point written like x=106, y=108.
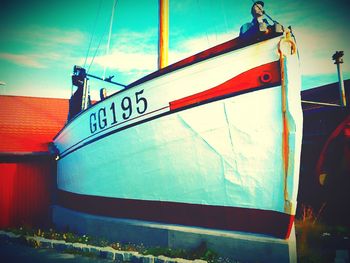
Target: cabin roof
x=28, y=124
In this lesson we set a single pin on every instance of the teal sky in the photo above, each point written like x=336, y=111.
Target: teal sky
x=41, y=41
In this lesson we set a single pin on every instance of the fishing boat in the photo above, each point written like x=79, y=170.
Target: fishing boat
x=210, y=141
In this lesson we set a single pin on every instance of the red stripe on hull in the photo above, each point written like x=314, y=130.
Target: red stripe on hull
x=218, y=217
x=228, y=46
x=266, y=75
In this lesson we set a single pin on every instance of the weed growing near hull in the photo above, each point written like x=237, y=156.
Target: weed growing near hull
x=316, y=241
x=33, y=243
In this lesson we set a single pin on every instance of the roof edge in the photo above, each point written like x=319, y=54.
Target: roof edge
x=14, y=157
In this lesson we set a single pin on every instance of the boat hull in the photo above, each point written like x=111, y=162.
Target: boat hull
x=202, y=145
x=250, y=220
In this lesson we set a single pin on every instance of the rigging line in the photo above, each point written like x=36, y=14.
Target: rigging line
x=93, y=33
x=109, y=37
x=98, y=46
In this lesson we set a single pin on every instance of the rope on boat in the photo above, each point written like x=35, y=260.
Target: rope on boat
x=287, y=38
x=93, y=33
x=98, y=46
x=93, y=58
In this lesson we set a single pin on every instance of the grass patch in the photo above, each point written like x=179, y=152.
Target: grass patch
x=316, y=241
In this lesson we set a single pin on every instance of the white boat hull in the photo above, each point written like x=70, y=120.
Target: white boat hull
x=188, y=147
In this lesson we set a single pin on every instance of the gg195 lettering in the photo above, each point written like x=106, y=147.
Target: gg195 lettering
x=115, y=112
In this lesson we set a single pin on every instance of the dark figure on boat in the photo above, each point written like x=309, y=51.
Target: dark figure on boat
x=259, y=25
x=76, y=100
x=103, y=93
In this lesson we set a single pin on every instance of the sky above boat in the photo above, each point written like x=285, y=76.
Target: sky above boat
x=41, y=41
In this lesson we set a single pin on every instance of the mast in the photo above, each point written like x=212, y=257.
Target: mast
x=163, y=43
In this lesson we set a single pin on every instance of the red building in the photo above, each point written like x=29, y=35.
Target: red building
x=27, y=171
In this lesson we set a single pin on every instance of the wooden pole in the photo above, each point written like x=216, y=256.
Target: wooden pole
x=163, y=44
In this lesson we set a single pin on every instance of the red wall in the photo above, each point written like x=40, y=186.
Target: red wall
x=25, y=193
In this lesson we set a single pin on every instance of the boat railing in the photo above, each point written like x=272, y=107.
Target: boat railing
x=321, y=103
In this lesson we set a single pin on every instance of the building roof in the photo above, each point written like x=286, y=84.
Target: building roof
x=28, y=124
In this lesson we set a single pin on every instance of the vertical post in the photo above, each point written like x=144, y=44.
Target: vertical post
x=85, y=95
x=338, y=58
x=163, y=33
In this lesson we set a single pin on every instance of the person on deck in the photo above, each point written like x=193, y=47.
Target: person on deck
x=259, y=24
x=103, y=93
